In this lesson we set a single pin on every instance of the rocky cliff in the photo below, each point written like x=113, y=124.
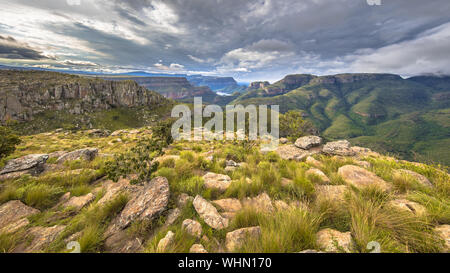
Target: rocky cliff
x=215, y=83
x=24, y=94
x=177, y=88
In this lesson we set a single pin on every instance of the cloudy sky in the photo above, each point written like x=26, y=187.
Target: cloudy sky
x=247, y=39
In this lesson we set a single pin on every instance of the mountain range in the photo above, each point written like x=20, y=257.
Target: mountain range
x=409, y=117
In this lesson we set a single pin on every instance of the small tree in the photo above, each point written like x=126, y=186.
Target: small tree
x=163, y=131
x=140, y=159
x=8, y=142
x=293, y=126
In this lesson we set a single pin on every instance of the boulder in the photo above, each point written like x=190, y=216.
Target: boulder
x=147, y=204
x=261, y=202
x=119, y=132
x=237, y=238
x=341, y=147
x=87, y=154
x=14, y=175
x=56, y=154
x=364, y=152
x=15, y=226
x=79, y=202
x=183, y=199
x=98, y=132
x=291, y=152
x=284, y=140
x=209, y=213
x=444, y=232
x=314, y=162
x=42, y=237
x=332, y=240
x=172, y=216
x=308, y=142
x=113, y=189
x=414, y=176
x=231, y=163
x=363, y=164
x=33, y=164
x=197, y=248
x=220, y=182
x=361, y=178
x=12, y=213
x=165, y=242
x=192, y=227
x=331, y=193
x=228, y=205
x=319, y=174
x=408, y=206
x=122, y=242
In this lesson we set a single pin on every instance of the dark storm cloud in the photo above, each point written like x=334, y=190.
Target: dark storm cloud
x=10, y=48
x=250, y=39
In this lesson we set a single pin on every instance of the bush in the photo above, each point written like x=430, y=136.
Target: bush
x=8, y=142
x=293, y=126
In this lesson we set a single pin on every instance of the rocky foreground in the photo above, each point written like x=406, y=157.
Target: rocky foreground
x=307, y=196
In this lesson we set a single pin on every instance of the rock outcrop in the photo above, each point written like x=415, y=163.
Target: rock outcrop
x=209, y=213
x=147, y=204
x=361, y=178
x=13, y=215
x=29, y=164
x=42, y=237
x=415, y=176
x=308, y=142
x=261, y=202
x=332, y=240
x=197, y=248
x=216, y=181
x=192, y=227
x=87, y=154
x=408, y=206
x=235, y=239
x=166, y=241
x=341, y=147
x=24, y=94
x=444, y=232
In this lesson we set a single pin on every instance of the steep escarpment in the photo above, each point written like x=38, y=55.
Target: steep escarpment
x=408, y=117
x=217, y=84
x=24, y=94
x=177, y=88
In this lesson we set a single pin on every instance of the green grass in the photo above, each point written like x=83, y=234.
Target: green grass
x=282, y=232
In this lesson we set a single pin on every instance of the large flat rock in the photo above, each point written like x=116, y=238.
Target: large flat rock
x=12, y=212
x=147, y=204
x=25, y=163
x=361, y=178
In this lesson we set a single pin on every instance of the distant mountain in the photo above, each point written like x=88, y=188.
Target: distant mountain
x=409, y=117
x=217, y=84
x=226, y=85
x=177, y=88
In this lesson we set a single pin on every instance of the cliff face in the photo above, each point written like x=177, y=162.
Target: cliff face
x=215, y=83
x=24, y=94
x=177, y=88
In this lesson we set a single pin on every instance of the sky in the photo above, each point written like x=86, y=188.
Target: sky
x=247, y=39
